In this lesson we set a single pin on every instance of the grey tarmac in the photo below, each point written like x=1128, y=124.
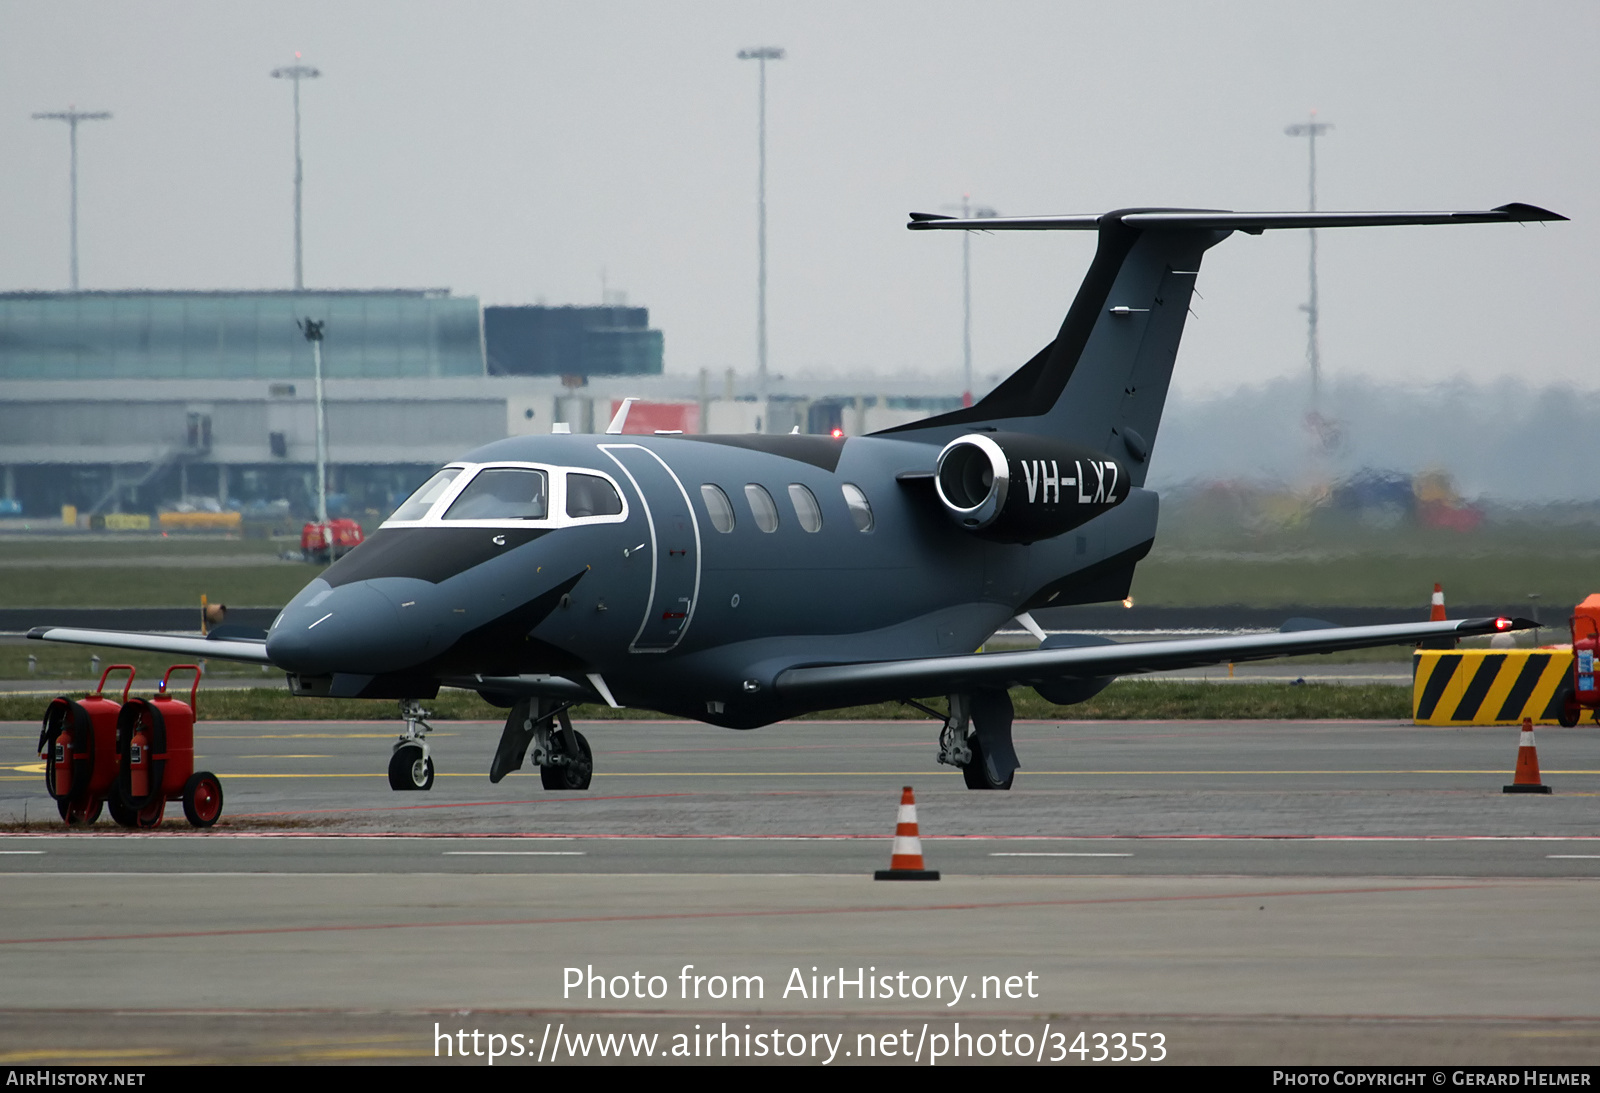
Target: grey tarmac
x=1258, y=892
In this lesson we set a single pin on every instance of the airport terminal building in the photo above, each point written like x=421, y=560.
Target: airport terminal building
x=120, y=401
x=137, y=400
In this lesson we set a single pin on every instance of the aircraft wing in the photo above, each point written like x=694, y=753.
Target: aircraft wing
x=254, y=652
x=528, y=686
x=885, y=680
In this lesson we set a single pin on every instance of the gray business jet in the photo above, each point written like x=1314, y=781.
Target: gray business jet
x=740, y=580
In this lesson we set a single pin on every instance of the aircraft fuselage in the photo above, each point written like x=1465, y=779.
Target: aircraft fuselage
x=721, y=562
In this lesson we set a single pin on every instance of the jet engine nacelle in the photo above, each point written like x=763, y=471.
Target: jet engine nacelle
x=1017, y=488
x=1071, y=690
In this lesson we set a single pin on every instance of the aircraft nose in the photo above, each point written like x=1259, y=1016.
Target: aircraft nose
x=353, y=628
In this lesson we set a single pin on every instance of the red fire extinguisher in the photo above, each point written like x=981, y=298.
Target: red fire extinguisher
x=139, y=764
x=1585, y=644
x=62, y=763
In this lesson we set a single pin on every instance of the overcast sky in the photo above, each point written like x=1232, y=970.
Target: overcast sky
x=521, y=151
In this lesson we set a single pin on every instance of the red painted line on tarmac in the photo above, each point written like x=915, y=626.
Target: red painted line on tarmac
x=181, y=833
x=682, y=916
x=461, y=804
x=1197, y=1018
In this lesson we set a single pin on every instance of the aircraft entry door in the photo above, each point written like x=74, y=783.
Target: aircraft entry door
x=674, y=547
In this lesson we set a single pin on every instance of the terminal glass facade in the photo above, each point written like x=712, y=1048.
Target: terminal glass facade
x=583, y=341
x=236, y=335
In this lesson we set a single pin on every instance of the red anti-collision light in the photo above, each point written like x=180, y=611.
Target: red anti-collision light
x=1502, y=624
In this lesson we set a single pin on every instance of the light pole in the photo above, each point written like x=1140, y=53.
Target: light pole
x=1311, y=130
x=312, y=329
x=297, y=72
x=72, y=116
x=967, y=212
x=761, y=55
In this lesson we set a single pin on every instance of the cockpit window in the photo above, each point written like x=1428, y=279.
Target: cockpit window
x=502, y=493
x=417, y=505
x=591, y=495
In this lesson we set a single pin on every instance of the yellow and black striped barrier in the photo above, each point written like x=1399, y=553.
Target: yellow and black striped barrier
x=1489, y=686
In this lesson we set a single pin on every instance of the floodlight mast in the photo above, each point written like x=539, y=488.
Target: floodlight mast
x=1311, y=130
x=967, y=212
x=297, y=72
x=312, y=329
x=72, y=116
x=762, y=54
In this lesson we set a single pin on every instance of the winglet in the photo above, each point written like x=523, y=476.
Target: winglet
x=1519, y=211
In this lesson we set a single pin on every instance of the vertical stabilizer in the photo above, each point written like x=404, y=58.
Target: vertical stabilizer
x=1103, y=381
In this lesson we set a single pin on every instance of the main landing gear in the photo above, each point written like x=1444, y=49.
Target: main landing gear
x=540, y=729
x=411, y=767
x=976, y=736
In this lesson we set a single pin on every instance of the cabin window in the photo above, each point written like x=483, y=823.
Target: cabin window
x=417, y=505
x=762, y=507
x=502, y=493
x=718, y=507
x=591, y=495
x=860, y=509
x=805, y=507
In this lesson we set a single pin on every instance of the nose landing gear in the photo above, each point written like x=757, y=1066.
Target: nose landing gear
x=411, y=767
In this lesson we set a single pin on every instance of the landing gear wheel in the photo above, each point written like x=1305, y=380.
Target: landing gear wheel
x=121, y=814
x=977, y=774
x=202, y=799
x=573, y=775
x=410, y=769
x=76, y=815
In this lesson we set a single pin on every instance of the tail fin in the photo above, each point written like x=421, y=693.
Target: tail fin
x=1103, y=381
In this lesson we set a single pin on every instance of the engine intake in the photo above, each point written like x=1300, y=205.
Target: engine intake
x=1016, y=488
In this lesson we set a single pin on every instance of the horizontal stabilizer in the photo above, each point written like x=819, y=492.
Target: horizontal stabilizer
x=884, y=680
x=1224, y=220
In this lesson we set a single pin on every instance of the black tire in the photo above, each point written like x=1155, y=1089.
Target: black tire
x=976, y=773
x=150, y=815
x=572, y=776
x=74, y=814
x=408, y=770
x=1568, y=717
x=121, y=814
x=202, y=799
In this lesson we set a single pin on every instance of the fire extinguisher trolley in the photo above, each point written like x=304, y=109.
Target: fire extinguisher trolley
x=155, y=752
x=1584, y=693
x=78, y=744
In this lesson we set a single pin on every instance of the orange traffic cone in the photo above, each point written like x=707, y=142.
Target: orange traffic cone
x=1526, y=779
x=1436, y=614
x=906, y=860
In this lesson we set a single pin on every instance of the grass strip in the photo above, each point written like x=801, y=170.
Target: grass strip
x=1125, y=700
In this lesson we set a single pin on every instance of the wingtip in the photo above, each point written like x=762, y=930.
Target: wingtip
x=38, y=632
x=919, y=219
x=1502, y=624
x=1517, y=210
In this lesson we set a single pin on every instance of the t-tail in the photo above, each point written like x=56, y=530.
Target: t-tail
x=1102, y=382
